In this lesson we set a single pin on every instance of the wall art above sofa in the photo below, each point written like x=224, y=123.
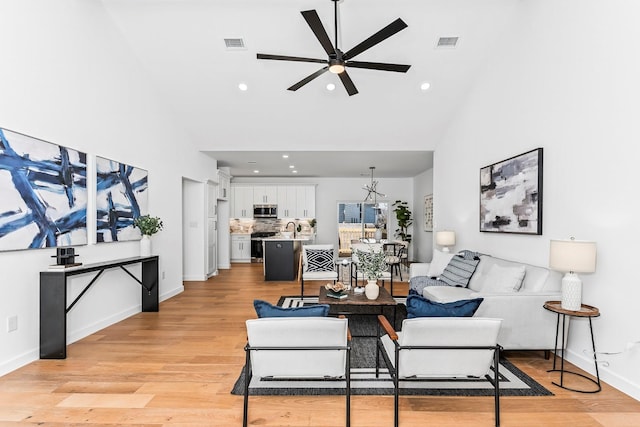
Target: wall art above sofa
x=511, y=195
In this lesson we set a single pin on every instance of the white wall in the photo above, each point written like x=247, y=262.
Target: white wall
x=422, y=241
x=68, y=78
x=564, y=78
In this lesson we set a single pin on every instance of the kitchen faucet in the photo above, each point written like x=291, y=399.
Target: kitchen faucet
x=286, y=227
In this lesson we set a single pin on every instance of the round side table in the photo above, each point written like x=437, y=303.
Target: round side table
x=585, y=311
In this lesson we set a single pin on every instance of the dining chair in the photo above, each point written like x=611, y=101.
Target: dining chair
x=394, y=252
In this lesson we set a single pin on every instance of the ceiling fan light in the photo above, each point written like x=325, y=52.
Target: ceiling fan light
x=336, y=67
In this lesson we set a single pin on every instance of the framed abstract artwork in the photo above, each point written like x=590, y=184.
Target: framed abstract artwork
x=43, y=193
x=428, y=212
x=511, y=195
x=121, y=196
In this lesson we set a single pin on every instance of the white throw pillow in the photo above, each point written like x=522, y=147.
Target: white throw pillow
x=503, y=279
x=439, y=262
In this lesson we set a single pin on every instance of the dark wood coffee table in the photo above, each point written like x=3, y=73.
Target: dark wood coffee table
x=347, y=305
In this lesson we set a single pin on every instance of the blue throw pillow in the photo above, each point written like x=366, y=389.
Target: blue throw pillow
x=419, y=306
x=264, y=309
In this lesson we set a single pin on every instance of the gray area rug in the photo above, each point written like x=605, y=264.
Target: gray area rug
x=513, y=382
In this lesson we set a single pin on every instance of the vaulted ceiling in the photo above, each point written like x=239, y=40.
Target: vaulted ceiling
x=181, y=46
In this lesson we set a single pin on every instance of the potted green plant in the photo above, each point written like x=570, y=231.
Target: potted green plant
x=403, y=217
x=148, y=226
x=372, y=263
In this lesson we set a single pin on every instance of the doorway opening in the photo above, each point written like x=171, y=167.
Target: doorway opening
x=361, y=220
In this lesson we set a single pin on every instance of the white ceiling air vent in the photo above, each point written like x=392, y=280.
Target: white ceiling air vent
x=234, y=43
x=447, y=42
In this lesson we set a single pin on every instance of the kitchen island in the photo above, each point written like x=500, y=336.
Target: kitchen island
x=282, y=257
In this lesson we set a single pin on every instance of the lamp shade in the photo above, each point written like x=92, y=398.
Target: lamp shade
x=572, y=256
x=446, y=238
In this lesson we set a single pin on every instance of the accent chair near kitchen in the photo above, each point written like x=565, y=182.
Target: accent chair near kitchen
x=318, y=263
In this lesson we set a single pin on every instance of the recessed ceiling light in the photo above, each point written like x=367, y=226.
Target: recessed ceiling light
x=291, y=166
x=331, y=86
x=243, y=87
x=294, y=171
x=425, y=86
x=285, y=156
x=256, y=171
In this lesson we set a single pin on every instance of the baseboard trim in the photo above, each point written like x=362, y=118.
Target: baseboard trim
x=73, y=336
x=614, y=380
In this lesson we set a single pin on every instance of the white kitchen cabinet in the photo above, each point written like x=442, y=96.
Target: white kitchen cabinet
x=287, y=201
x=224, y=185
x=240, y=248
x=265, y=194
x=305, y=201
x=242, y=201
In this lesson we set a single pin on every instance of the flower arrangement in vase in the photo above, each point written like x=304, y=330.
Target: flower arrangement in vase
x=148, y=225
x=372, y=264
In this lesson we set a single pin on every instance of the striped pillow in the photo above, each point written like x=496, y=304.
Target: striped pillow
x=459, y=271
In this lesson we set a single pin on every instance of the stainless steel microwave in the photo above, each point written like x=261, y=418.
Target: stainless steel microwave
x=265, y=211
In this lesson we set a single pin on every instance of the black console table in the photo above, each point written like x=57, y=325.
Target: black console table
x=53, y=299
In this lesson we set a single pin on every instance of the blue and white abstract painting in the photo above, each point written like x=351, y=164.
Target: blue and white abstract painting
x=43, y=193
x=121, y=196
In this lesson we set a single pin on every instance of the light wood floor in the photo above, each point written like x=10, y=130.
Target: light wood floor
x=176, y=367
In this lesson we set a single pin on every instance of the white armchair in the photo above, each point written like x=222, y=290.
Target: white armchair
x=298, y=347
x=318, y=263
x=441, y=347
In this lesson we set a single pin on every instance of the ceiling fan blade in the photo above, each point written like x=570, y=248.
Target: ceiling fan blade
x=381, y=35
x=348, y=83
x=312, y=18
x=378, y=66
x=308, y=78
x=289, y=58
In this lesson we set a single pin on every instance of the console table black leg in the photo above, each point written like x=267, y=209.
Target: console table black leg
x=150, y=285
x=53, y=316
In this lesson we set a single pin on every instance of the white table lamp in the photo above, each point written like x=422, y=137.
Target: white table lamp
x=445, y=239
x=572, y=256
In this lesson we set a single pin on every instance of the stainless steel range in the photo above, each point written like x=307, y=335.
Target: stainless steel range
x=256, y=244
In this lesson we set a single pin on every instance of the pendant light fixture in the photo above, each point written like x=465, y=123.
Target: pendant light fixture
x=372, y=192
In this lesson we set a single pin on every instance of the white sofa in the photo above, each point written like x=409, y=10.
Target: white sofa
x=526, y=324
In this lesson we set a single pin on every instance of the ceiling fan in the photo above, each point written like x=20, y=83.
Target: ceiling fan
x=337, y=60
